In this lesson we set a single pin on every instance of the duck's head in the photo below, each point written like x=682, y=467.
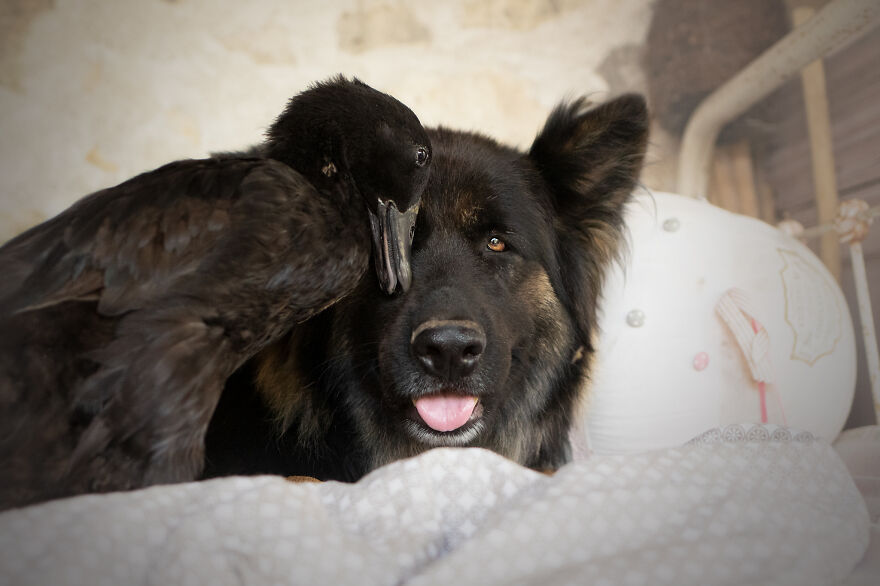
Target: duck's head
x=344, y=133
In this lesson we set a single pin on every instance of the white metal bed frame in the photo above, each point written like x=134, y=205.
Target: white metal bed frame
x=839, y=22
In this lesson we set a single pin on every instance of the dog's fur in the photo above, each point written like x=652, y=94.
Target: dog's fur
x=335, y=398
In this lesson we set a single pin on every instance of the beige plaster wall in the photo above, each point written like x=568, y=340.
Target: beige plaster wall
x=94, y=91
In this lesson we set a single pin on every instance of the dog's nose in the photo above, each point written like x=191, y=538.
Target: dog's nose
x=449, y=349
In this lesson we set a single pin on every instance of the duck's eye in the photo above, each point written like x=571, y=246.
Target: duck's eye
x=496, y=244
x=421, y=156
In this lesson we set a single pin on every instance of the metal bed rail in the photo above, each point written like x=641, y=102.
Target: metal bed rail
x=838, y=23
x=852, y=224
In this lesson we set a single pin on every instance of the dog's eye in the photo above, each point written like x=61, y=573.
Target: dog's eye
x=421, y=156
x=496, y=244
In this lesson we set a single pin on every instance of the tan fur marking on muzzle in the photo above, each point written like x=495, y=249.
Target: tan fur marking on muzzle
x=552, y=326
x=538, y=291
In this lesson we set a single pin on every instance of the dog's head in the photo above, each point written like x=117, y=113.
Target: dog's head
x=489, y=347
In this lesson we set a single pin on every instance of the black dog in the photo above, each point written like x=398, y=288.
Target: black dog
x=492, y=345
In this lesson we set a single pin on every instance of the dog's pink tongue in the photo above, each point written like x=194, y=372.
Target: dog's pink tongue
x=445, y=412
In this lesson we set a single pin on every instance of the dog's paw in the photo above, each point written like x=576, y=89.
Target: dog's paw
x=302, y=479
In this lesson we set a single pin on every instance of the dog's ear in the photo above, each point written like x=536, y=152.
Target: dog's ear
x=590, y=158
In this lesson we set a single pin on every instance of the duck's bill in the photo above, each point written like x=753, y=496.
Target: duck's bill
x=392, y=245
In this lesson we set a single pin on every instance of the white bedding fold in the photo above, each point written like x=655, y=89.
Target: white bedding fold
x=742, y=505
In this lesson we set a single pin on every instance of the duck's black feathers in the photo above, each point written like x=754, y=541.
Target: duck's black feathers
x=180, y=274
x=124, y=315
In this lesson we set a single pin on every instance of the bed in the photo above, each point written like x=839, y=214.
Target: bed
x=741, y=504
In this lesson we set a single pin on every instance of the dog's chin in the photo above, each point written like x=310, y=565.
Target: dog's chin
x=417, y=429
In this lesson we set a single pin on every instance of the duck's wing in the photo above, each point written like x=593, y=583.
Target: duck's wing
x=125, y=245
x=202, y=263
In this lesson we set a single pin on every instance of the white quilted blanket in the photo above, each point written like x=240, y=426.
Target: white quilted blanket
x=740, y=505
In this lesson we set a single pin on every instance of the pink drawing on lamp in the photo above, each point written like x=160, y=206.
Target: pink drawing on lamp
x=701, y=361
x=762, y=385
x=753, y=340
